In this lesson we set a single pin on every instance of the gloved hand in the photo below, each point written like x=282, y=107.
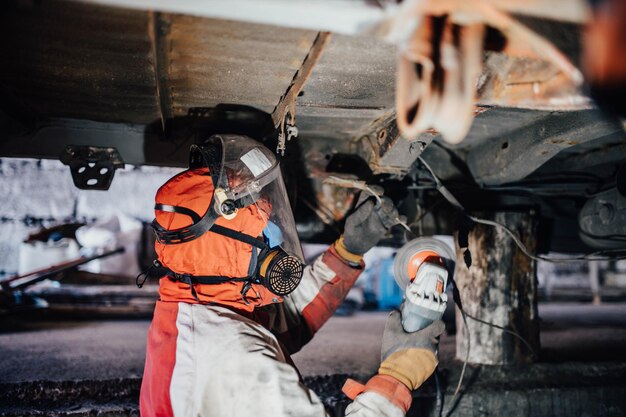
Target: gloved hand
x=409, y=357
x=368, y=223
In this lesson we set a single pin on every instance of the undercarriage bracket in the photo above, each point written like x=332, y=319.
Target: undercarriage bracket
x=92, y=167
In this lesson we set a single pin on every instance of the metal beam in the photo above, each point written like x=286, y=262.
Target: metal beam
x=299, y=79
x=513, y=156
x=350, y=17
x=136, y=143
x=339, y=16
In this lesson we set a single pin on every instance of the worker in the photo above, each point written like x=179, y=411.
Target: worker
x=235, y=300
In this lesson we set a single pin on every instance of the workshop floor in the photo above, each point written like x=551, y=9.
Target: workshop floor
x=85, y=368
x=64, y=350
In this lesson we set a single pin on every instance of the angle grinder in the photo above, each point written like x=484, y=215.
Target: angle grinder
x=422, y=269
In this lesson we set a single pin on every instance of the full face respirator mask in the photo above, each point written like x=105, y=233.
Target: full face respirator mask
x=243, y=173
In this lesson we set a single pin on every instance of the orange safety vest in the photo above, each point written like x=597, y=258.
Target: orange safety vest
x=211, y=253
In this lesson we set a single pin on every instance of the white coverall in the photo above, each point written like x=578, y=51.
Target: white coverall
x=208, y=360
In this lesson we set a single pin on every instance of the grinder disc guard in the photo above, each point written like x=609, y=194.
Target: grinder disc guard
x=421, y=270
x=407, y=255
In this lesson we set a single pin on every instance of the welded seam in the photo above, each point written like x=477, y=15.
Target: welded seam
x=156, y=31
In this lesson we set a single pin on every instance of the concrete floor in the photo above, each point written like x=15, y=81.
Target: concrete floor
x=80, y=350
x=86, y=368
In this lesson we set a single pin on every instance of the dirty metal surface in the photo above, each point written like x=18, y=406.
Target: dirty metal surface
x=68, y=59
x=92, y=75
x=350, y=87
x=288, y=100
x=78, y=61
x=498, y=122
x=86, y=61
x=607, y=151
x=216, y=61
x=135, y=144
x=511, y=157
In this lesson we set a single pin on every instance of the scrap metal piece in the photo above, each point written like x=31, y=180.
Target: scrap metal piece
x=387, y=151
x=377, y=194
x=437, y=76
x=300, y=77
x=287, y=103
x=20, y=282
x=440, y=65
x=92, y=167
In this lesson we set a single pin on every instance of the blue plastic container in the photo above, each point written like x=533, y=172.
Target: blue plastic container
x=389, y=293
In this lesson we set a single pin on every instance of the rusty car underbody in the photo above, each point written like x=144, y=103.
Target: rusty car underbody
x=81, y=78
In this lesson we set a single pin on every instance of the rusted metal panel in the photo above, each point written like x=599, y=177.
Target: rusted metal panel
x=67, y=59
x=353, y=73
x=512, y=157
x=510, y=81
x=216, y=61
x=351, y=86
x=80, y=61
x=84, y=61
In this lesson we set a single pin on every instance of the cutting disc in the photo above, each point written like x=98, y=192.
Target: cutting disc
x=411, y=255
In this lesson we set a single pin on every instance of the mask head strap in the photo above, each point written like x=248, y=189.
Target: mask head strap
x=210, y=156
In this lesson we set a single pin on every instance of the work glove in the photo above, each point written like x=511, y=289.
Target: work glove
x=368, y=223
x=409, y=357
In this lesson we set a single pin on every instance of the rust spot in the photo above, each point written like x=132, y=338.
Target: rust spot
x=382, y=135
x=480, y=110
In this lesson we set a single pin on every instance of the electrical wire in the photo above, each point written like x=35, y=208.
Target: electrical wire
x=504, y=329
x=457, y=300
x=439, y=403
x=462, y=376
x=467, y=353
x=595, y=256
x=457, y=297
